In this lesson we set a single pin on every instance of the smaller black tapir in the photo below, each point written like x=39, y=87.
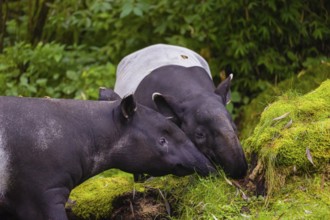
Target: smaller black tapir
x=49, y=146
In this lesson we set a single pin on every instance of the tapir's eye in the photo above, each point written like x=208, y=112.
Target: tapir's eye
x=199, y=135
x=162, y=141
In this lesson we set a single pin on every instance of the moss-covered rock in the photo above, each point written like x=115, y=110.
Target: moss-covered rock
x=96, y=197
x=293, y=135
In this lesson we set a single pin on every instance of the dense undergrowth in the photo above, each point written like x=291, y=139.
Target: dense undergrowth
x=69, y=48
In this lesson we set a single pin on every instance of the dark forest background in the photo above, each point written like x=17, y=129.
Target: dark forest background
x=70, y=48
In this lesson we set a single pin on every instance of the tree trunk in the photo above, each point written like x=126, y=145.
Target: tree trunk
x=37, y=19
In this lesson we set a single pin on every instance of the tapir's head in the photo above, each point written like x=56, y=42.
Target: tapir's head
x=154, y=145
x=209, y=125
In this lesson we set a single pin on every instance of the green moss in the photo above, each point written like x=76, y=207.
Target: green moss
x=214, y=198
x=289, y=128
x=293, y=143
x=210, y=197
x=315, y=73
x=192, y=197
x=301, y=198
x=93, y=198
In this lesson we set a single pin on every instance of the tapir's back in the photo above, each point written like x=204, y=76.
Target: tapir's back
x=136, y=66
x=41, y=109
x=42, y=124
x=36, y=124
x=32, y=119
x=41, y=135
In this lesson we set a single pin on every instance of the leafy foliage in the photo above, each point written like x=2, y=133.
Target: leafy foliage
x=260, y=41
x=52, y=70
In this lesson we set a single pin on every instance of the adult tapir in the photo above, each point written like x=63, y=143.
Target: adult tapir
x=49, y=146
x=185, y=80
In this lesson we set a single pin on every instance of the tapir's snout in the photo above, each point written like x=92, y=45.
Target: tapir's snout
x=237, y=171
x=192, y=160
x=204, y=167
x=232, y=159
x=228, y=153
x=205, y=170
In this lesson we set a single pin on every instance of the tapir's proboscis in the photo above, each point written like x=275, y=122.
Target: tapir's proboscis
x=184, y=79
x=49, y=146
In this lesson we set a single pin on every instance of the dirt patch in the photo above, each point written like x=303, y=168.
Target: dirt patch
x=148, y=205
x=255, y=179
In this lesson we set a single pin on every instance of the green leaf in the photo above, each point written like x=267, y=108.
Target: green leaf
x=235, y=96
x=72, y=75
x=317, y=34
x=32, y=88
x=127, y=9
x=41, y=82
x=57, y=57
x=138, y=12
x=230, y=107
x=23, y=80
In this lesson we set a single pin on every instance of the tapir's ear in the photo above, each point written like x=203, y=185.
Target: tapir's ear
x=167, y=106
x=223, y=89
x=107, y=94
x=128, y=106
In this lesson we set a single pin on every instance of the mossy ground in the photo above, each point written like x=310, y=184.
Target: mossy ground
x=215, y=198
x=303, y=197
x=290, y=147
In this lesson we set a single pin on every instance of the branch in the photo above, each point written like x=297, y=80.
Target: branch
x=3, y=20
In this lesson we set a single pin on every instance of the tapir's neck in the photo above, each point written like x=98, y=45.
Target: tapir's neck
x=107, y=131
x=98, y=126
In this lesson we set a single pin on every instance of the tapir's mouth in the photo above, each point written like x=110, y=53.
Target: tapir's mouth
x=209, y=169
x=181, y=170
x=236, y=171
x=214, y=161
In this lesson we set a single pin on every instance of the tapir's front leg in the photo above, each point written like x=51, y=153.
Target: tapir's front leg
x=57, y=212
x=49, y=205
x=56, y=199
